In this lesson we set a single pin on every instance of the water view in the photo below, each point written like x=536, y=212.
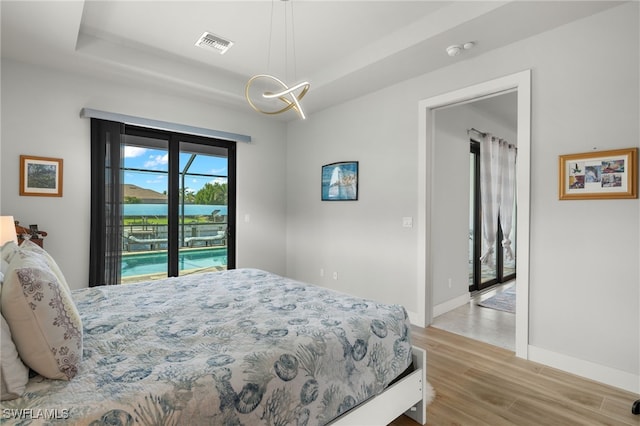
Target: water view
x=202, y=213
x=202, y=233
x=151, y=263
x=150, y=210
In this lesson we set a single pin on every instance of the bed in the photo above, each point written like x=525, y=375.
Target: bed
x=234, y=347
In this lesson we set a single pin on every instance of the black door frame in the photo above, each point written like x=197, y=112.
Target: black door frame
x=114, y=133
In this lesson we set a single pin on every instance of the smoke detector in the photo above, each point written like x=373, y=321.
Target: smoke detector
x=456, y=49
x=212, y=41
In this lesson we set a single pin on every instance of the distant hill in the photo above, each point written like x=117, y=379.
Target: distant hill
x=146, y=196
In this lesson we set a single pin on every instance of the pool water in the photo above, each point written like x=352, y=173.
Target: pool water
x=156, y=262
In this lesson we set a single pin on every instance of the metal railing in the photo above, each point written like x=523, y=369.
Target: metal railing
x=146, y=236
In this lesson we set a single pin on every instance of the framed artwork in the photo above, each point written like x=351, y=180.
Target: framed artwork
x=599, y=175
x=340, y=181
x=40, y=176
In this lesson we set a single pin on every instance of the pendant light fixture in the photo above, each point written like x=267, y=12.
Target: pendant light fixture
x=271, y=95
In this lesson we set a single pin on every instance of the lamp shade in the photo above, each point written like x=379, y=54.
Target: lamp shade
x=7, y=230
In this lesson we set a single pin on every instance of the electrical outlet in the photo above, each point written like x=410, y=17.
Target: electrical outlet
x=450, y=282
x=322, y=272
x=335, y=275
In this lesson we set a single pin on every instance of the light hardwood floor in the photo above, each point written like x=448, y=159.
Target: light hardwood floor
x=480, y=384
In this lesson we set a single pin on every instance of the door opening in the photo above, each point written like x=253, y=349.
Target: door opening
x=521, y=84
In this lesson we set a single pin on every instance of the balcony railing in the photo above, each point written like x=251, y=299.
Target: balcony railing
x=146, y=236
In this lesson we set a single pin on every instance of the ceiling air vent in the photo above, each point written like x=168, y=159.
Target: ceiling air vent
x=215, y=42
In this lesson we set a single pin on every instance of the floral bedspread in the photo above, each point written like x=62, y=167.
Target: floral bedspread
x=238, y=347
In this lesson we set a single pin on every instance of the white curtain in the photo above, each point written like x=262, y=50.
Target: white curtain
x=497, y=189
x=507, y=195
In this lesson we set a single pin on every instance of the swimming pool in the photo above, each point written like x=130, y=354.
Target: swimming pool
x=134, y=264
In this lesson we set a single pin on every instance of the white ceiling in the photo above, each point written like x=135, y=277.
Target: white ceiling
x=344, y=48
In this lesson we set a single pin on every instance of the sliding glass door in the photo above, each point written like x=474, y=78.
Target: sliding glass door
x=145, y=206
x=175, y=204
x=500, y=269
x=203, y=211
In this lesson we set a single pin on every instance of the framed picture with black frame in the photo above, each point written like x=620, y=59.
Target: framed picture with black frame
x=340, y=181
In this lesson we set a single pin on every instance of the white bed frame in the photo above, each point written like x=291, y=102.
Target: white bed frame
x=406, y=396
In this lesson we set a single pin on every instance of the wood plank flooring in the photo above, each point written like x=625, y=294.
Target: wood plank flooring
x=480, y=384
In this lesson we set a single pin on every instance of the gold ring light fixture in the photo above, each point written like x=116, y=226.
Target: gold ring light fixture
x=270, y=95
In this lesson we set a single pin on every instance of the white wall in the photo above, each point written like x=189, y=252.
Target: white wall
x=584, y=281
x=40, y=116
x=363, y=241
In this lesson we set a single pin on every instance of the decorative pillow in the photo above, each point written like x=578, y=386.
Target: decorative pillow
x=14, y=375
x=44, y=321
x=27, y=248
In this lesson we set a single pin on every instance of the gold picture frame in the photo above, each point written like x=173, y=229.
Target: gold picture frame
x=40, y=176
x=599, y=175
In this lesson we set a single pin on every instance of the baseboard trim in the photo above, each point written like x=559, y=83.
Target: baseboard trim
x=451, y=304
x=590, y=370
x=416, y=319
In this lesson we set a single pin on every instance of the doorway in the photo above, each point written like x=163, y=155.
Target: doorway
x=519, y=83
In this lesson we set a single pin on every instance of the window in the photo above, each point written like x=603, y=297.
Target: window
x=163, y=204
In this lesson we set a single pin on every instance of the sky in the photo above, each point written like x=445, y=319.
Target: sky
x=156, y=160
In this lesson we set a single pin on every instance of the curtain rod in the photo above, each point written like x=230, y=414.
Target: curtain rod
x=483, y=134
x=163, y=125
x=473, y=129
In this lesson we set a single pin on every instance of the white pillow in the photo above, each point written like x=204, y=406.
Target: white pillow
x=7, y=251
x=32, y=249
x=44, y=321
x=4, y=265
x=14, y=375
